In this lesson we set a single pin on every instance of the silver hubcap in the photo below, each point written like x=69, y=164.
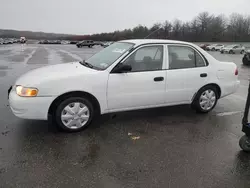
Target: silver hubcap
x=75, y=115
x=207, y=99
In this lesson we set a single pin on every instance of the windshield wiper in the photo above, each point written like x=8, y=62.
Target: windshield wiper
x=86, y=64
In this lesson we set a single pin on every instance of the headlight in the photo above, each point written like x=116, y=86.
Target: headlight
x=26, y=91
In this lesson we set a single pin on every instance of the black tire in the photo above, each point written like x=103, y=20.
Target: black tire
x=67, y=101
x=222, y=52
x=245, y=61
x=245, y=143
x=242, y=52
x=196, y=102
x=213, y=49
x=231, y=52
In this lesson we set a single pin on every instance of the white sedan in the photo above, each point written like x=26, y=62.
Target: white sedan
x=214, y=47
x=127, y=75
x=233, y=49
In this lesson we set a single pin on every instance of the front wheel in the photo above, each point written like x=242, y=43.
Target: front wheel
x=245, y=143
x=231, y=52
x=74, y=114
x=206, y=99
x=242, y=52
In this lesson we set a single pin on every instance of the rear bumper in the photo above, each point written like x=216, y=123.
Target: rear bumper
x=230, y=88
x=30, y=107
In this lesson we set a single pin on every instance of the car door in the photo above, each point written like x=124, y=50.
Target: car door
x=187, y=73
x=144, y=85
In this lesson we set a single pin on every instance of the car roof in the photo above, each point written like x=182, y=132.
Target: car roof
x=153, y=41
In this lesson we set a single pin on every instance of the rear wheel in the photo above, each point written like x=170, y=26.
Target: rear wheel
x=74, y=114
x=205, y=99
x=231, y=52
x=245, y=143
x=242, y=51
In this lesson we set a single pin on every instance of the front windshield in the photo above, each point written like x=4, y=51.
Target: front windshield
x=109, y=55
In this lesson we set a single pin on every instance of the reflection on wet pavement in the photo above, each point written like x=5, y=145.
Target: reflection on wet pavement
x=66, y=57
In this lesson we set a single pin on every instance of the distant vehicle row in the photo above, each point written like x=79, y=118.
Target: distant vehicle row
x=12, y=40
x=230, y=49
x=79, y=44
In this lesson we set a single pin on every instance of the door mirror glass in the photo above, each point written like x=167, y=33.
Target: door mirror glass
x=122, y=68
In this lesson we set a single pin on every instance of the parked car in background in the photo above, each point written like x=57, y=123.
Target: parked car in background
x=246, y=58
x=204, y=46
x=65, y=42
x=214, y=47
x=218, y=47
x=89, y=43
x=49, y=42
x=22, y=40
x=233, y=49
x=122, y=77
x=73, y=42
x=99, y=43
x=106, y=44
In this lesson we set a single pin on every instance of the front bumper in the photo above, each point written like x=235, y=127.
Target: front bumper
x=29, y=107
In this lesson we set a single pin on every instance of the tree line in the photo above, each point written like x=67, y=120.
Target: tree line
x=205, y=27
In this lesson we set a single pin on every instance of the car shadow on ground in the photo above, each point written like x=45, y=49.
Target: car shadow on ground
x=171, y=115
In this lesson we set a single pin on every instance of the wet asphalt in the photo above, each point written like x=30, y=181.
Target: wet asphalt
x=163, y=147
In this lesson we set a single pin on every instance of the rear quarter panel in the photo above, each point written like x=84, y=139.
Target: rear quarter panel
x=227, y=78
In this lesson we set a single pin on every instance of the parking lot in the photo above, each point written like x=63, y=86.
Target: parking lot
x=163, y=147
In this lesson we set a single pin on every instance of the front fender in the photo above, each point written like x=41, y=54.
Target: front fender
x=94, y=85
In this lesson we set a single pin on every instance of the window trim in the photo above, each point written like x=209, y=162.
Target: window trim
x=165, y=44
x=133, y=50
x=195, y=51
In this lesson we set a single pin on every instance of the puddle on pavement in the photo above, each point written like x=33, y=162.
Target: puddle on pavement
x=20, y=57
x=3, y=73
x=5, y=52
x=66, y=57
x=3, y=67
x=39, y=57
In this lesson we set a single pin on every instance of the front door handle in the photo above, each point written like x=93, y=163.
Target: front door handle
x=158, y=79
x=203, y=75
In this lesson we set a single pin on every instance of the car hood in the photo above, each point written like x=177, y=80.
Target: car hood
x=53, y=72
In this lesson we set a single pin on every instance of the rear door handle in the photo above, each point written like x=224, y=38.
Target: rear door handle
x=158, y=79
x=203, y=75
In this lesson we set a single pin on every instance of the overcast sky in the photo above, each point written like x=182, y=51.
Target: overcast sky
x=95, y=16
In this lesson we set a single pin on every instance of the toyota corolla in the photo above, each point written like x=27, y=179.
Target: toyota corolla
x=127, y=75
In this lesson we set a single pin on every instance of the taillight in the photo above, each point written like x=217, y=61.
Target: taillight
x=236, y=72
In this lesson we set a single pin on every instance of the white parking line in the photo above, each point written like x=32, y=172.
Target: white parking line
x=26, y=60
x=238, y=97
x=228, y=113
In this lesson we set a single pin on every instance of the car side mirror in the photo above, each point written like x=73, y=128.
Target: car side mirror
x=121, y=68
